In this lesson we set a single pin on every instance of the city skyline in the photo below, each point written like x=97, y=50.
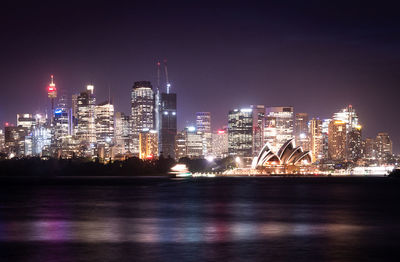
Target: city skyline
x=231, y=56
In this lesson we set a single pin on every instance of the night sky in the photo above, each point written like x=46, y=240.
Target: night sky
x=318, y=56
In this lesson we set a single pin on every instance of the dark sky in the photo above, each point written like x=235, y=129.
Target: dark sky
x=317, y=56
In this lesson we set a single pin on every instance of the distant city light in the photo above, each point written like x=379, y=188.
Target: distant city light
x=191, y=128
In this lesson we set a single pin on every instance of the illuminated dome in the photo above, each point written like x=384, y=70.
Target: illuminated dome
x=288, y=154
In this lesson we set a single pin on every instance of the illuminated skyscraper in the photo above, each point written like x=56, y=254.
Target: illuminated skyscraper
x=14, y=140
x=142, y=111
x=240, y=132
x=104, y=120
x=383, y=146
x=86, y=129
x=168, y=124
x=26, y=120
x=189, y=143
x=220, y=144
x=316, y=139
x=325, y=138
x=278, y=126
x=354, y=144
x=148, y=144
x=337, y=140
x=2, y=148
x=370, y=149
x=349, y=116
x=301, y=132
x=203, y=125
x=122, y=133
x=258, y=127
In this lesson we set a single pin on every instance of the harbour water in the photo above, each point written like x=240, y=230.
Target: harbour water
x=207, y=219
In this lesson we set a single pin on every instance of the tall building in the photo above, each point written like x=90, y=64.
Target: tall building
x=2, y=148
x=370, y=149
x=189, y=143
x=26, y=120
x=349, y=116
x=168, y=125
x=148, y=144
x=383, y=146
x=203, y=125
x=301, y=132
x=61, y=125
x=86, y=129
x=104, y=122
x=316, y=139
x=122, y=133
x=142, y=110
x=278, y=126
x=337, y=140
x=325, y=138
x=220, y=143
x=240, y=132
x=180, y=145
x=14, y=140
x=354, y=144
x=258, y=127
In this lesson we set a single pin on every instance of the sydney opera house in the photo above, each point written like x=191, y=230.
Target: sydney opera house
x=289, y=159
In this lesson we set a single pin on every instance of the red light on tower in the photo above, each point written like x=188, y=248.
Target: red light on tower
x=220, y=132
x=51, y=89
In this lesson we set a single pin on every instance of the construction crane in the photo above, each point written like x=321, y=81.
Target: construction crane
x=166, y=75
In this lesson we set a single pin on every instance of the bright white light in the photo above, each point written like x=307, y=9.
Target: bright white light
x=246, y=110
x=90, y=87
x=165, y=112
x=302, y=135
x=11, y=155
x=179, y=168
x=168, y=85
x=191, y=128
x=210, y=158
x=173, y=113
x=108, y=139
x=237, y=159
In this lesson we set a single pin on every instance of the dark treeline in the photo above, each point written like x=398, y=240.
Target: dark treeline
x=83, y=167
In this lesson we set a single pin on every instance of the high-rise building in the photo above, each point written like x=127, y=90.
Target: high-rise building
x=316, y=139
x=142, y=110
x=220, y=143
x=189, y=143
x=354, y=144
x=122, y=133
x=383, y=146
x=203, y=125
x=148, y=144
x=349, y=116
x=14, y=140
x=337, y=140
x=104, y=121
x=325, y=138
x=301, y=132
x=370, y=149
x=258, y=127
x=278, y=126
x=240, y=132
x=180, y=145
x=168, y=124
x=26, y=120
x=2, y=148
x=61, y=125
x=86, y=129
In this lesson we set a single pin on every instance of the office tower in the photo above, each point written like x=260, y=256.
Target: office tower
x=148, y=144
x=220, y=143
x=14, y=140
x=354, y=144
x=325, y=138
x=316, y=139
x=142, y=111
x=258, y=127
x=74, y=113
x=38, y=141
x=61, y=124
x=301, y=132
x=104, y=120
x=86, y=129
x=383, y=146
x=203, y=125
x=122, y=133
x=337, y=140
x=370, y=149
x=52, y=93
x=189, y=143
x=2, y=148
x=168, y=125
x=26, y=120
x=278, y=126
x=349, y=116
x=240, y=132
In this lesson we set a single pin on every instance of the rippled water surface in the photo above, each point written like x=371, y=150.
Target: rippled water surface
x=220, y=219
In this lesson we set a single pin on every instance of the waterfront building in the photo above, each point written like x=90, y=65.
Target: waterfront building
x=189, y=143
x=104, y=122
x=2, y=148
x=278, y=126
x=122, y=133
x=316, y=139
x=14, y=140
x=180, y=145
x=354, y=144
x=142, y=111
x=203, y=125
x=258, y=127
x=148, y=144
x=337, y=140
x=240, y=132
x=325, y=138
x=301, y=132
x=383, y=145
x=168, y=124
x=370, y=149
x=220, y=143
